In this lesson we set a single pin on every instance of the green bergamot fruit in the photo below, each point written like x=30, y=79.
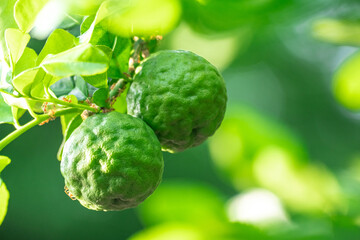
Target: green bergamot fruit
x=181, y=96
x=112, y=162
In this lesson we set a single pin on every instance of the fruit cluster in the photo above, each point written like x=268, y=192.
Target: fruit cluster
x=113, y=161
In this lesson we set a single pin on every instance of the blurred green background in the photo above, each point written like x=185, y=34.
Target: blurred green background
x=285, y=164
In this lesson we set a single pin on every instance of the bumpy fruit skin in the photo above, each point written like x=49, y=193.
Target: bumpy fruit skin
x=112, y=162
x=181, y=96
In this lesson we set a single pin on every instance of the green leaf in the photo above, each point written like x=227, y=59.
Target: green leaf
x=6, y=75
x=5, y=112
x=4, y=194
x=98, y=81
x=17, y=113
x=63, y=86
x=16, y=42
x=42, y=81
x=336, y=31
x=96, y=34
x=91, y=89
x=4, y=200
x=73, y=124
x=106, y=49
x=78, y=94
x=70, y=21
x=76, y=86
x=69, y=123
x=59, y=41
x=114, y=71
x=6, y=21
x=84, y=59
x=119, y=48
x=66, y=119
x=22, y=103
x=101, y=96
x=119, y=63
x=120, y=104
x=26, y=12
x=25, y=81
x=26, y=61
x=49, y=79
x=4, y=161
x=86, y=24
x=80, y=90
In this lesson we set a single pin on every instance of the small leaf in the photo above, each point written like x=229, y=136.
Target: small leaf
x=106, y=49
x=26, y=12
x=120, y=104
x=63, y=86
x=24, y=82
x=5, y=112
x=86, y=24
x=6, y=21
x=74, y=123
x=4, y=193
x=23, y=103
x=69, y=123
x=4, y=200
x=91, y=89
x=79, y=89
x=81, y=86
x=78, y=94
x=97, y=35
x=59, y=41
x=4, y=161
x=17, y=113
x=32, y=82
x=27, y=61
x=119, y=63
x=66, y=119
x=6, y=75
x=84, y=59
x=101, y=96
x=16, y=42
x=122, y=50
x=49, y=79
x=70, y=21
x=98, y=81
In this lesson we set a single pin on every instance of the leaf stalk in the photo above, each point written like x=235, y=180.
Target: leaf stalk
x=39, y=119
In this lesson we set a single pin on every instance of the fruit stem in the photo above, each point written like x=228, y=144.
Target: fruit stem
x=117, y=86
x=74, y=105
x=56, y=101
x=39, y=119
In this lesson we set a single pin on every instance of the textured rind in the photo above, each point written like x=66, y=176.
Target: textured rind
x=112, y=162
x=181, y=96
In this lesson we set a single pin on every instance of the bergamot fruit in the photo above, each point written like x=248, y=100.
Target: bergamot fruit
x=181, y=96
x=112, y=162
